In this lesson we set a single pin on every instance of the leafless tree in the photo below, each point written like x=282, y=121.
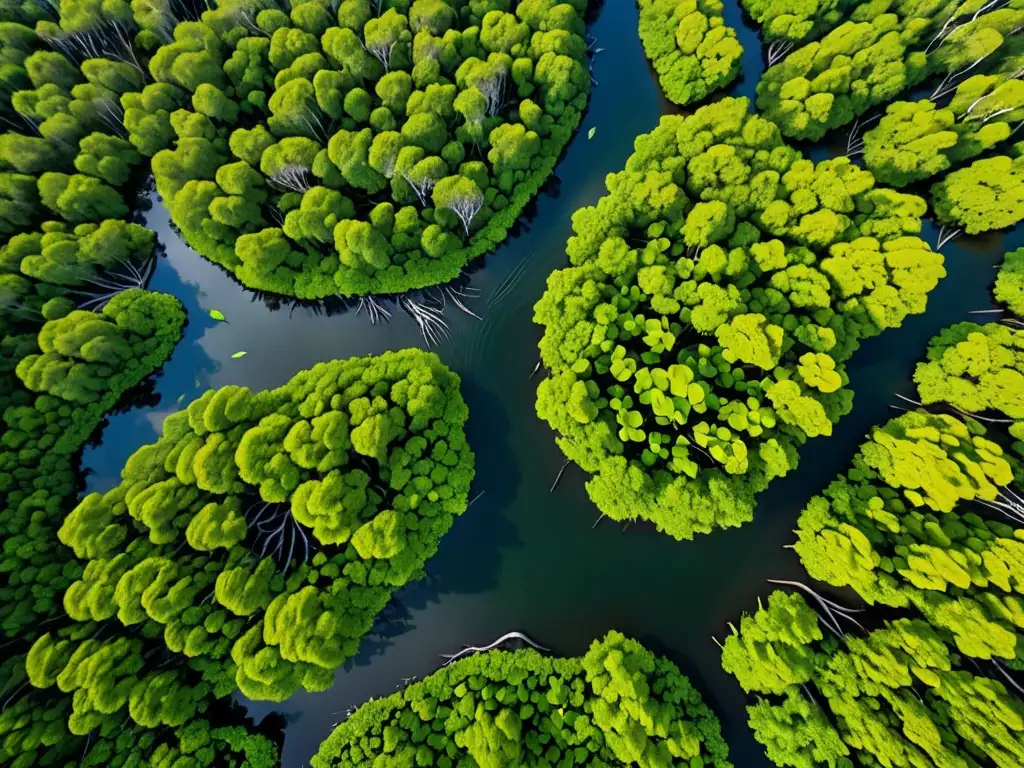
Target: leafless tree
x=274, y=527
x=466, y=207
x=382, y=51
x=422, y=187
x=778, y=49
x=493, y=88
x=104, y=287
x=294, y=178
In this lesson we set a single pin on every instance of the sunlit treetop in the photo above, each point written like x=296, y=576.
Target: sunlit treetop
x=618, y=705
x=692, y=49
x=715, y=293
x=374, y=148
x=264, y=531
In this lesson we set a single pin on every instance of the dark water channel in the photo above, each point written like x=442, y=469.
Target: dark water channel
x=522, y=558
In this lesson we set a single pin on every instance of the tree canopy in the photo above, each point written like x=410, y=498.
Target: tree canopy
x=264, y=532
x=700, y=335
x=377, y=152
x=617, y=705
x=883, y=49
x=896, y=696
x=1009, y=287
x=693, y=51
x=926, y=522
x=986, y=195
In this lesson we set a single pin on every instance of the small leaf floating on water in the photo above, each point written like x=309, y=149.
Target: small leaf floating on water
x=238, y=355
x=180, y=398
x=590, y=133
x=216, y=314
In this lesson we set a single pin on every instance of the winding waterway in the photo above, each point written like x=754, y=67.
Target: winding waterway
x=522, y=558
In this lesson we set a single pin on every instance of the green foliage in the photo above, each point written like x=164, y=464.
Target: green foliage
x=81, y=365
x=715, y=293
x=263, y=532
x=796, y=20
x=772, y=651
x=827, y=83
x=975, y=368
x=1009, y=288
x=893, y=697
x=986, y=195
x=382, y=102
x=618, y=705
x=693, y=51
x=34, y=731
x=898, y=530
x=918, y=139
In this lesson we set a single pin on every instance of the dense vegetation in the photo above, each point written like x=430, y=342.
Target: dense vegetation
x=869, y=60
x=928, y=521
x=988, y=194
x=385, y=147
x=700, y=335
x=1009, y=288
x=897, y=696
x=693, y=51
x=617, y=705
x=263, y=532
x=916, y=140
x=793, y=21
x=77, y=330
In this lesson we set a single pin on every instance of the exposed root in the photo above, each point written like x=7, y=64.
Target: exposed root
x=559, y=477
x=964, y=414
x=947, y=235
x=457, y=294
x=274, y=525
x=376, y=311
x=855, y=142
x=1007, y=677
x=450, y=657
x=833, y=611
x=428, y=318
x=778, y=50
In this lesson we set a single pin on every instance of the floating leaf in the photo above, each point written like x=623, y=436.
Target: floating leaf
x=590, y=133
x=180, y=397
x=238, y=355
x=216, y=314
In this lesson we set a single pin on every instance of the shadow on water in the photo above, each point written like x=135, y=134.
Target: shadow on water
x=523, y=558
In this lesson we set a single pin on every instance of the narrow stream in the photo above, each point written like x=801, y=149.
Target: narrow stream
x=523, y=558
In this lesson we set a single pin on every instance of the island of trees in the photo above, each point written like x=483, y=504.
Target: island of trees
x=928, y=523
x=255, y=542
x=372, y=150
x=715, y=294
x=618, y=705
